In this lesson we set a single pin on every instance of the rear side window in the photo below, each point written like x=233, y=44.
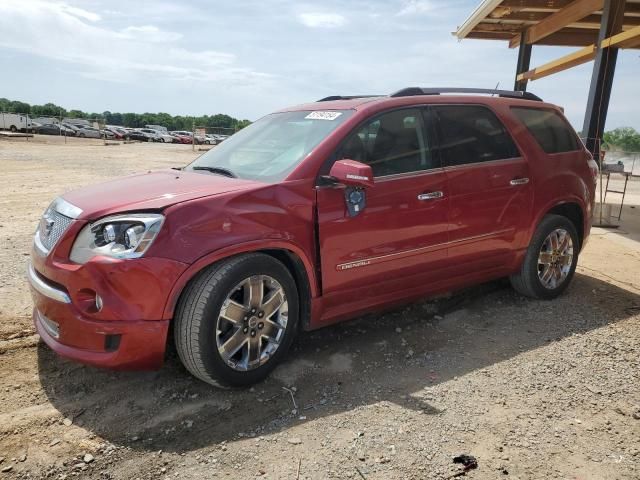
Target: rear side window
x=548, y=128
x=472, y=134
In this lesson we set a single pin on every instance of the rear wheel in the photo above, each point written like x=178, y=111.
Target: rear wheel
x=550, y=261
x=13, y=128
x=237, y=320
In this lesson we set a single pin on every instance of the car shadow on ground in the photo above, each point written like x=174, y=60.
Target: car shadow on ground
x=385, y=357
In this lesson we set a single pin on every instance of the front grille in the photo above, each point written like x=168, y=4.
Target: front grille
x=52, y=227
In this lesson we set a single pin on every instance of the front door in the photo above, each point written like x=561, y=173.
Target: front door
x=394, y=246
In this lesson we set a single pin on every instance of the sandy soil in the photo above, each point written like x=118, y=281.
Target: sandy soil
x=533, y=390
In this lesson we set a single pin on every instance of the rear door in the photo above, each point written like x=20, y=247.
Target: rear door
x=490, y=188
x=396, y=244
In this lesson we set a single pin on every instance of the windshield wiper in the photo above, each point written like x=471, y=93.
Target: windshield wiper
x=217, y=170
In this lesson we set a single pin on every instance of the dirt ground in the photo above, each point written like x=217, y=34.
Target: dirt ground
x=532, y=389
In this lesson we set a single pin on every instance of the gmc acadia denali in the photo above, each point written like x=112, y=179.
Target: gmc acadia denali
x=311, y=215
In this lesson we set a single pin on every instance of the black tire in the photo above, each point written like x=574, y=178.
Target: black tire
x=82, y=135
x=527, y=281
x=13, y=128
x=199, y=308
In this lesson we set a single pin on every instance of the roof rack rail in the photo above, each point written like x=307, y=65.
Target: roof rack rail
x=345, y=97
x=411, y=91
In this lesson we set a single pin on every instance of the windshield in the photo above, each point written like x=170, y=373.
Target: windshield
x=270, y=148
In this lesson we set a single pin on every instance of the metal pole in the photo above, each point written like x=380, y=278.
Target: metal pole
x=600, y=88
x=193, y=136
x=602, y=78
x=524, y=60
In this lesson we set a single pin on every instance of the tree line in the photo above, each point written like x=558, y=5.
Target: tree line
x=625, y=139
x=133, y=120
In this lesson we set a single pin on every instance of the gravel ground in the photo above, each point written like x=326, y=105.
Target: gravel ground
x=531, y=389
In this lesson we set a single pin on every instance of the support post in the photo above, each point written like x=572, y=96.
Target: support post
x=602, y=77
x=524, y=58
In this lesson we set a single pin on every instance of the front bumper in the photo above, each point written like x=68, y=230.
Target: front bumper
x=120, y=346
x=129, y=332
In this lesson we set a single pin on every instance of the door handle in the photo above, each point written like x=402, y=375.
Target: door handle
x=430, y=196
x=519, y=181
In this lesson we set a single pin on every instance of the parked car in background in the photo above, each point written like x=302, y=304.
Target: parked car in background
x=85, y=131
x=57, y=129
x=15, y=122
x=70, y=127
x=117, y=134
x=163, y=137
x=182, y=136
x=210, y=139
x=198, y=139
x=140, y=136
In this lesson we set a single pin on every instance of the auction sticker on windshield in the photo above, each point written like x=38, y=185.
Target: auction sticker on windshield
x=323, y=115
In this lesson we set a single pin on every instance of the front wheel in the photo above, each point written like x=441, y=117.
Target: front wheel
x=550, y=261
x=237, y=320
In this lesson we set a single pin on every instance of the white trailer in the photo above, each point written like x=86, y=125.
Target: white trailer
x=15, y=122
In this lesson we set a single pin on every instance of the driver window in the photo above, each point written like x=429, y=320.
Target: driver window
x=391, y=143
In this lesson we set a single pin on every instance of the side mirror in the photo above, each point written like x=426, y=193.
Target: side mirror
x=352, y=173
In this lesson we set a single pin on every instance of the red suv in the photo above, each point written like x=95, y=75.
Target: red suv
x=309, y=216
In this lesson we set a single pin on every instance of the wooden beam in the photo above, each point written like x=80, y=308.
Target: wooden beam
x=576, y=58
x=573, y=38
x=569, y=38
x=557, y=4
x=628, y=39
x=571, y=13
x=490, y=35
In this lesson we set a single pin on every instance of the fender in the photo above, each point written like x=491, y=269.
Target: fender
x=554, y=203
x=247, y=247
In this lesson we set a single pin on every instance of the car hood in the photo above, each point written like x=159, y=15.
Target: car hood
x=151, y=191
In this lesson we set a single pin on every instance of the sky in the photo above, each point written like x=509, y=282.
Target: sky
x=250, y=57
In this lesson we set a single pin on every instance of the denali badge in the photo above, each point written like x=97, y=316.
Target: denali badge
x=347, y=266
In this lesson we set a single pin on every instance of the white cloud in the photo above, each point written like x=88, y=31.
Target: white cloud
x=322, y=20
x=416, y=7
x=150, y=33
x=41, y=27
x=79, y=12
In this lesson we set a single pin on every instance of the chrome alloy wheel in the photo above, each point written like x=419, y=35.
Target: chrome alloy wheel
x=555, y=258
x=252, y=322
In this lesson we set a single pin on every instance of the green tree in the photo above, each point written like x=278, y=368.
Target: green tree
x=47, y=110
x=625, y=139
x=76, y=114
x=19, y=107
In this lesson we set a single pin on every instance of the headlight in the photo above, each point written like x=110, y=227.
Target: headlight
x=118, y=236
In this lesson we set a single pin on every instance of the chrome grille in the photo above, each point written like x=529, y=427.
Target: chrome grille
x=52, y=227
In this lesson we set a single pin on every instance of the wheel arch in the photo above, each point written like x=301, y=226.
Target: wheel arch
x=289, y=255
x=572, y=209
